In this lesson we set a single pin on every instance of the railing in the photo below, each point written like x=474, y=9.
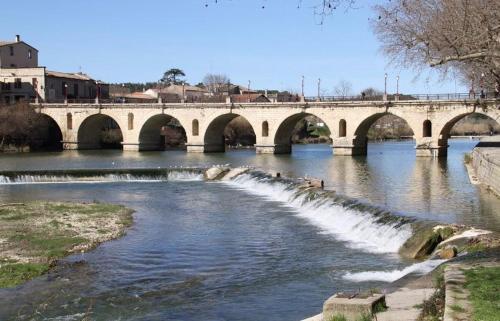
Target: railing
x=405, y=97
x=223, y=99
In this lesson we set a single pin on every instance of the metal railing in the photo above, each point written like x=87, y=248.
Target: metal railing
x=405, y=97
x=223, y=99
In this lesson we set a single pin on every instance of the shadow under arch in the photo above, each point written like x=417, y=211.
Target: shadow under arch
x=99, y=131
x=47, y=135
x=162, y=132
x=219, y=135
x=362, y=131
x=283, y=139
x=445, y=132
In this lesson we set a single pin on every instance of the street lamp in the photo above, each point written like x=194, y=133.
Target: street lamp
x=397, y=87
x=471, y=91
x=302, y=86
x=482, y=86
x=183, y=91
x=385, y=86
x=319, y=89
x=65, y=93
x=248, y=92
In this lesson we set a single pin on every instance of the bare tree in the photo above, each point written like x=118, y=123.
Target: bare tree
x=463, y=35
x=343, y=88
x=216, y=83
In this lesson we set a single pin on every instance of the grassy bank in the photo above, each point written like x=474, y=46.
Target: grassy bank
x=484, y=286
x=34, y=235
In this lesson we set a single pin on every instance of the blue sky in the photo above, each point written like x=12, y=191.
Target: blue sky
x=122, y=41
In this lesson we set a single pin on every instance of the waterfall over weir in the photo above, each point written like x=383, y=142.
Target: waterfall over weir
x=362, y=227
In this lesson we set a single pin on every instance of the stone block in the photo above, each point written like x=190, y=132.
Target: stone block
x=352, y=307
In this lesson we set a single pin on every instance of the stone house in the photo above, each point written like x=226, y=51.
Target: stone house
x=22, y=78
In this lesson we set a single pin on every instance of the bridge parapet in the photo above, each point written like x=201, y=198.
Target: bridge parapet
x=204, y=123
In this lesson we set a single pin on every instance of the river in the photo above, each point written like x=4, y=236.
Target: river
x=241, y=250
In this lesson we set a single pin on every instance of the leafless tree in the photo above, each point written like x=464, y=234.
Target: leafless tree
x=20, y=125
x=343, y=88
x=460, y=35
x=216, y=83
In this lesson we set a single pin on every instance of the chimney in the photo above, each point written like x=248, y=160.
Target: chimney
x=18, y=38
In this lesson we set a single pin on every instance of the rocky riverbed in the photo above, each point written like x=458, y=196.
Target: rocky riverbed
x=34, y=235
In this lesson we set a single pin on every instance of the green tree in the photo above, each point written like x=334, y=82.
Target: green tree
x=172, y=75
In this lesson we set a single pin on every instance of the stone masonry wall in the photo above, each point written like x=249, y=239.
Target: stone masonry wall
x=486, y=163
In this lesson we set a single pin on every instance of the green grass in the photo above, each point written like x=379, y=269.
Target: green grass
x=379, y=307
x=364, y=317
x=433, y=308
x=338, y=317
x=41, y=233
x=484, y=286
x=467, y=158
x=457, y=308
x=51, y=246
x=17, y=273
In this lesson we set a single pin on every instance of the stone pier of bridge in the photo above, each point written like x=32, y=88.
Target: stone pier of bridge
x=348, y=121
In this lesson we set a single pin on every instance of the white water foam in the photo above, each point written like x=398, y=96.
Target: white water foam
x=391, y=276
x=359, y=229
x=110, y=178
x=179, y=176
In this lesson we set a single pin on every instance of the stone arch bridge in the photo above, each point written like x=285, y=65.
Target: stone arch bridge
x=348, y=121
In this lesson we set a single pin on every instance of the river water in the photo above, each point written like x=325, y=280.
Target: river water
x=248, y=249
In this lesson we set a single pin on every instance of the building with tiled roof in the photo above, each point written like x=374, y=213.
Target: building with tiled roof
x=21, y=78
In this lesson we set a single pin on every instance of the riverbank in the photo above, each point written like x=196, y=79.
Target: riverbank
x=464, y=287
x=485, y=161
x=34, y=235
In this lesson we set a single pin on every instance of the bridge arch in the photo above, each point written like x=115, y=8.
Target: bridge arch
x=283, y=136
x=160, y=132
x=99, y=131
x=449, y=124
x=217, y=136
x=48, y=134
x=360, y=140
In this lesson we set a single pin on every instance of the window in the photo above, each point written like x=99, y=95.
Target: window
x=130, y=121
x=64, y=87
x=75, y=90
x=427, y=128
x=342, y=128
x=265, y=129
x=6, y=85
x=11, y=48
x=29, y=54
x=196, y=127
x=69, y=121
x=18, y=83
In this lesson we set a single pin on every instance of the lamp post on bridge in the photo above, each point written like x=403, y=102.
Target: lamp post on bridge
x=319, y=89
x=65, y=93
x=397, y=88
x=385, y=87
x=248, y=92
x=302, y=87
x=482, y=93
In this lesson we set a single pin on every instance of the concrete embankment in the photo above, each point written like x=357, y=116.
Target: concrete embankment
x=486, y=163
